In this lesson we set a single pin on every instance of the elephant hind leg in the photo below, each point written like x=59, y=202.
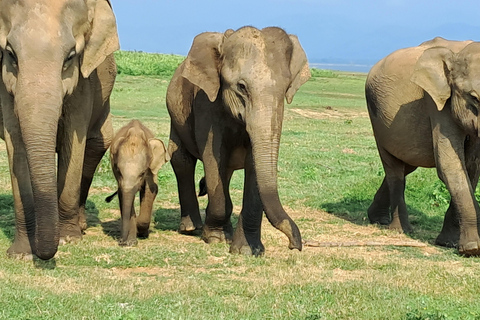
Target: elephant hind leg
x=395, y=173
x=379, y=210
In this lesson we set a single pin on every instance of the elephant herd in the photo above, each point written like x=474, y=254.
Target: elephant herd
x=226, y=104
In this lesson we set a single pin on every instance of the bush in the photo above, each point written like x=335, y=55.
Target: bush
x=147, y=64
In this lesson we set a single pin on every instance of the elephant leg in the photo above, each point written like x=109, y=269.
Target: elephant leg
x=452, y=169
x=247, y=236
x=379, y=210
x=69, y=181
x=71, y=147
x=218, y=227
x=395, y=172
x=450, y=233
x=23, y=245
x=97, y=144
x=183, y=164
x=147, y=196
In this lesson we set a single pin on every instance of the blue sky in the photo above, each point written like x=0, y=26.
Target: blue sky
x=342, y=31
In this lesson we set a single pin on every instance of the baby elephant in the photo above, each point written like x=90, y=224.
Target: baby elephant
x=136, y=156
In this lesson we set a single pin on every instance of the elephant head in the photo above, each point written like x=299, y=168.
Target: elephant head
x=252, y=71
x=46, y=48
x=448, y=76
x=136, y=158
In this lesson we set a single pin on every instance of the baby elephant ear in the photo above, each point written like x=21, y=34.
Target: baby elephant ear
x=159, y=155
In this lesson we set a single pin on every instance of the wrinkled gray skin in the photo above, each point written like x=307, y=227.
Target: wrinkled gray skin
x=226, y=103
x=424, y=104
x=136, y=156
x=57, y=72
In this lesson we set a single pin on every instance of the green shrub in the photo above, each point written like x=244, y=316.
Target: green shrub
x=321, y=73
x=136, y=63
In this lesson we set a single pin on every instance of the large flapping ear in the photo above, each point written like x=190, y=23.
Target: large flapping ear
x=160, y=155
x=102, y=38
x=201, y=67
x=298, y=68
x=431, y=74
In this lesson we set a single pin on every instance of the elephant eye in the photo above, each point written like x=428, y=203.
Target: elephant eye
x=68, y=60
x=12, y=55
x=475, y=97
x=242, y=87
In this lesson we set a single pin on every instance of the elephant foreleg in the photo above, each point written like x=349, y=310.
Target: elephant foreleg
x=247, y=236
x=218, y=227
x=70, y=164
x=452, y=170
x=24, y=242
x=96, y=146
x=450, y=233
x=183, y=164
x=147, y=196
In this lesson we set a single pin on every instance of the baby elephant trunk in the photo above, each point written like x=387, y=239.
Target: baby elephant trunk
x=127, y=209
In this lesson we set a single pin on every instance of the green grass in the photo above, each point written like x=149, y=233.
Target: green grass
x=329, y=171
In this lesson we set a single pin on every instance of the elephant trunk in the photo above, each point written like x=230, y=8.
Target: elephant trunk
x=38, y=108
x=264, y=127
x=127, y=209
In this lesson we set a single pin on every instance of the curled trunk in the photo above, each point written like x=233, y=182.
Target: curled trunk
x=264, y=129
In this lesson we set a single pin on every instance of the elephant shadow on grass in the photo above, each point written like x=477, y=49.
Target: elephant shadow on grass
x=425, y=227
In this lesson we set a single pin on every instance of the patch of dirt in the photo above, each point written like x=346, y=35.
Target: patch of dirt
x=329, y=113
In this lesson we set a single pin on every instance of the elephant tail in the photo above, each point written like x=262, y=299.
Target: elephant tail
x=202, y=185
x=110, y=197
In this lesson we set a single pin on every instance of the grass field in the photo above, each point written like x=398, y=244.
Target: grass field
x=329, y=170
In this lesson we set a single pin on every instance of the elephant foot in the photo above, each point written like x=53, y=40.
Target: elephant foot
x=242, y=246
x=469, y=244
x=217, y=235
x=397, y=225
x=82, y=220
x=187, y=226
x=70, y=233
x=22, y=256
x=469, y=249
x=128, y=243
x=378, y=216
x=69, y=239
x=143, y=232
x=447, y=240
x=20, y=250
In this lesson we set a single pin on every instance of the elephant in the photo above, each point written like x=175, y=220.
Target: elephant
x=226, y=103
x=57, y=71
x=423, y=104
x=136, y=156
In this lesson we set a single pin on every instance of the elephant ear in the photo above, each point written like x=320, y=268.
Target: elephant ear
x=160, y=155
x=299, y=69
x=102, y=39
x=432, y=72
x=201, y=67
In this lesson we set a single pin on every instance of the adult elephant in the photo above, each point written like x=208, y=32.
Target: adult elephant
x=424, y=106
x=226, y=103
x=57, y=75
